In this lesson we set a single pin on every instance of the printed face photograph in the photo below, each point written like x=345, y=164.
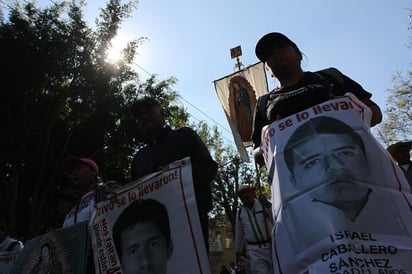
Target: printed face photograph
x=144, y=249
x=335, y=161
x=142, y=237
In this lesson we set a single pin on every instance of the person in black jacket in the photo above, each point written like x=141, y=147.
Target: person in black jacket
x=165, y=145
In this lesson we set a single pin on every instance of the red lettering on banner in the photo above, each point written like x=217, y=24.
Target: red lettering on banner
x=332, y=107
x=285, y=124
x=105, y=228
x=152, y=186
x=111, y=251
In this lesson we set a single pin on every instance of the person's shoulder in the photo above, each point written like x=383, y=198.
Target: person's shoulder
x=262, y=99
x=264, y=202
x=87, y=197
x=182, y=133
x=185, y=130
x=142, y=152
x=333, y=76
x=329, y=73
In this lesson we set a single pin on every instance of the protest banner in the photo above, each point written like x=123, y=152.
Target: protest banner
x=7, y=260
x=340, y=202
x=238, y=94
x=151, y=225
x=62, y=250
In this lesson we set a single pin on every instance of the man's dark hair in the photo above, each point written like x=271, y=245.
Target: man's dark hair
x=142, y=211
x=145, y=101
x=315, y=126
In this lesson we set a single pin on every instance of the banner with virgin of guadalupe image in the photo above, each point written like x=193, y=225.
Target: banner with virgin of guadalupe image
x=238, y=93
x=151, y=226
x=59, y=251
x=7, y=260
x=340, y=202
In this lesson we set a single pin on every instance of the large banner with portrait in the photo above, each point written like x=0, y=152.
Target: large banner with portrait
x=238, y=93
x=151, y=226
x=341, y=204
x=62, y=250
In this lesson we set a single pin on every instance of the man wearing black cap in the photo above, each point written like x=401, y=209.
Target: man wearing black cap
x=165, y=145
x=298, y=90
x=400, y=152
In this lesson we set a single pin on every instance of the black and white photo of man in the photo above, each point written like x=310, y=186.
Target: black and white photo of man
x=142, y=237
x=328, y=166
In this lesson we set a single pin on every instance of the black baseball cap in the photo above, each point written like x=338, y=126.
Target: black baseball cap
x=145, y=101
x=272, y=40
x=400, y=146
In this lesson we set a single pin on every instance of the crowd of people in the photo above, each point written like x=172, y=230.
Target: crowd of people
x=254, y=221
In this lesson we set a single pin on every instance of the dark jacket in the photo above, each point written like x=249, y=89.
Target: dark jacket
x=175, y=145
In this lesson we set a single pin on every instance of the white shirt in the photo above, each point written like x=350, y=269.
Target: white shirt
x=252, y=225
x=81, y=211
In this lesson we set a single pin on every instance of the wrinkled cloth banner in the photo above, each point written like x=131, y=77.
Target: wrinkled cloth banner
x=62, y=250
x=171, y=189
x=238, y=93
x=7, y=259
x=340, y=202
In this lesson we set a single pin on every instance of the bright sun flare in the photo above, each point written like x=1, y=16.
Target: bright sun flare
x=114, y=53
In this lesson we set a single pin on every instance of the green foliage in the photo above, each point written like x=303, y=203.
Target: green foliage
x=175, y=114
x=398, y=123
x=397, y=126
x=232, y=173
x=61, y=97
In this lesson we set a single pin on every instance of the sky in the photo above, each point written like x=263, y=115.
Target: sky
x=191, y=40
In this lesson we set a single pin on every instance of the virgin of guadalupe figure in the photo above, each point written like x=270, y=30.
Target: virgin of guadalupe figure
x=48, y=256
x=242, y=101
x=47, y=263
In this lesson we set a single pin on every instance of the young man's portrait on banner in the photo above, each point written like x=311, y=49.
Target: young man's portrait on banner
x=142, y=237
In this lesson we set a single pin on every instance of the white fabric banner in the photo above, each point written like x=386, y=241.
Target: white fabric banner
x=340, y=202
x=238, y=94
x=7, y=259
x=62, y=250
x=151, y=226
